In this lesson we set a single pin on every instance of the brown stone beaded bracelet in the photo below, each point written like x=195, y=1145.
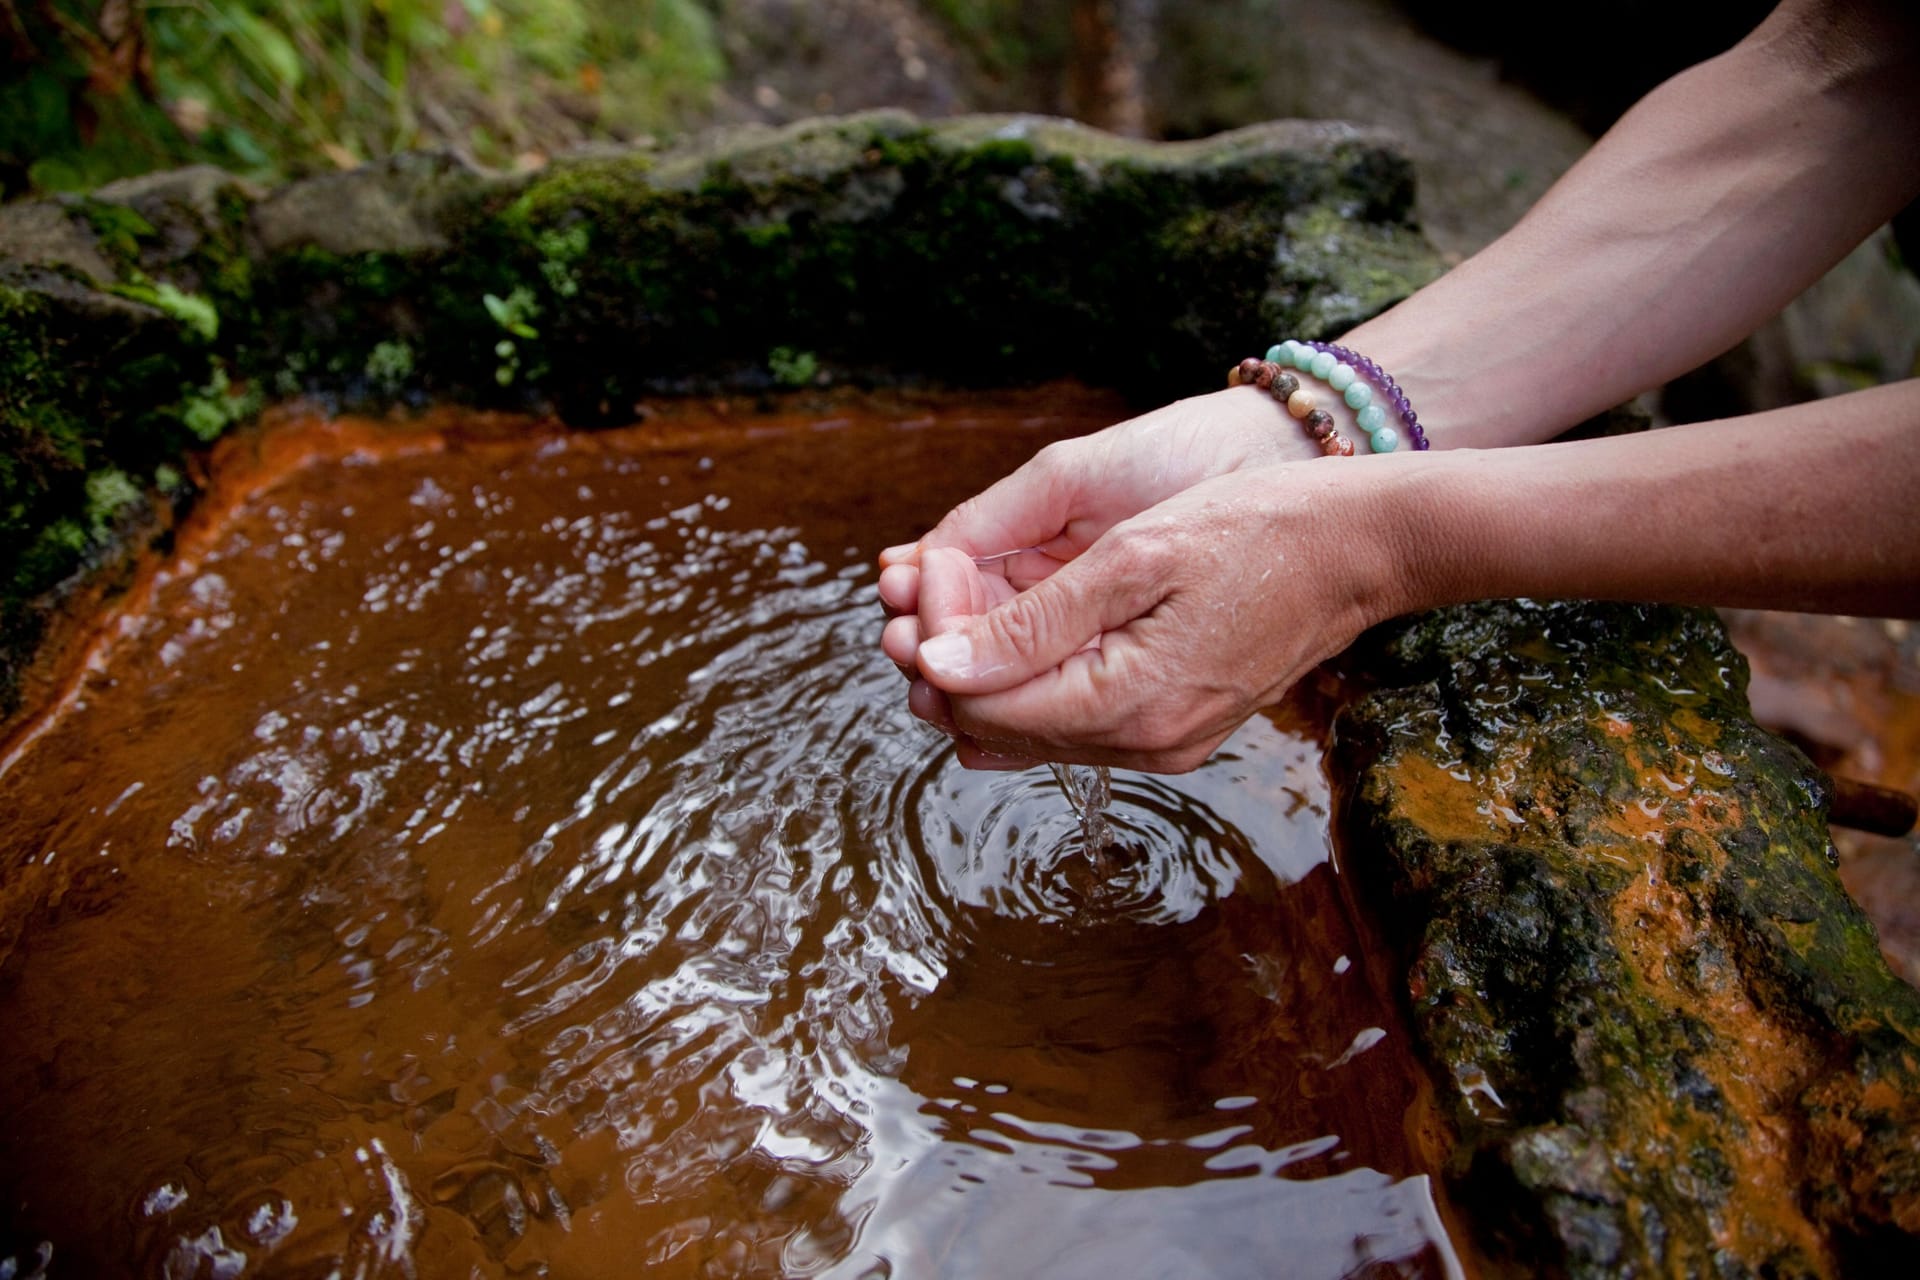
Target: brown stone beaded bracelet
x=1283, y=386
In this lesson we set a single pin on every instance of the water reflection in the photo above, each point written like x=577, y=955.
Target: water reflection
x=517, y=860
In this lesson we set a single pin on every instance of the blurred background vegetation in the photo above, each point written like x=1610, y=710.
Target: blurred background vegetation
x=94, y=91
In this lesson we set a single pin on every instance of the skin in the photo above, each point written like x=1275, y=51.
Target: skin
x=1176, y=572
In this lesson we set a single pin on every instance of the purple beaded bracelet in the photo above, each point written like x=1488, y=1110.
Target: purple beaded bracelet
x=1380, y=378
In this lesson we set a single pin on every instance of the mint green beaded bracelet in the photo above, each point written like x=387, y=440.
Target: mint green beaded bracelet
x=1345, y=380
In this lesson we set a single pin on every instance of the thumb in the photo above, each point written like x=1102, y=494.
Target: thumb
x=1037, y=630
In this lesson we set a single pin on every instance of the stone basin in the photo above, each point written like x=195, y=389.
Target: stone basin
x=1656, y=1034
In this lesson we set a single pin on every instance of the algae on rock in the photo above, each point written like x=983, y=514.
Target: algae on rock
x=1662, y=1030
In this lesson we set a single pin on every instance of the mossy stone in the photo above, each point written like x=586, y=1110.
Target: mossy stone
x=1662, y=1030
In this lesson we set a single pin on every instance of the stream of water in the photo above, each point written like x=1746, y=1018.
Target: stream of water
x=1089, y=789
x=481, y=852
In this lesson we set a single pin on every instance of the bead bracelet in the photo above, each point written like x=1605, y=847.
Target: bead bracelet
x=1284, y=387
x=1349, y=373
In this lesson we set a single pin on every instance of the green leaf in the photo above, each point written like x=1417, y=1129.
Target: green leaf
x=275, y=52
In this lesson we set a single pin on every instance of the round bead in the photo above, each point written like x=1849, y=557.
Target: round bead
x=1302, y=356
x=1346, y=446
x=1322, y=364
x=1372, y=418
x=1300, y=403
x=1264, y=374
x=1244, y=371
x=1359, y=395
x=1385, y=440
x=1284, y=386
x=1319, y=424
x=1277, y=353
x=1342, y=377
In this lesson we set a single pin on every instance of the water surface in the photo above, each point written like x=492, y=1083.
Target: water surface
x=506, y=853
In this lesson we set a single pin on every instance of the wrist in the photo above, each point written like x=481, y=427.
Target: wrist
x=1272, y=433
x=1407, y=512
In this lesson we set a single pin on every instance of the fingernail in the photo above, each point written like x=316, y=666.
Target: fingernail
x=947, y=655
x=895, y=552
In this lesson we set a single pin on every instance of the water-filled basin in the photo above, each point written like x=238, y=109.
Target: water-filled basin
x=482, y=849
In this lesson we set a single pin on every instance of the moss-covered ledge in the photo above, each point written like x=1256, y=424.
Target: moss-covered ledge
x=150, y=317
x=1662, y=1030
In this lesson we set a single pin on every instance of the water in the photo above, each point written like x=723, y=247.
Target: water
x=481, y=855
x=1089, y=789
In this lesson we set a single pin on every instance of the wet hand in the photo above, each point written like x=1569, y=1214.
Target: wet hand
x=1149, y=647
x=1074, y=490
x=1070, y=493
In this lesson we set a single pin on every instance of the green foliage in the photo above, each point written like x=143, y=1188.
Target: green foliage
x=559, y=251
x=271, y=87
x=190, y=309
x=109, y=492
x=793, y=368
x=513, y=312
x=389, y=365
x=208, y=410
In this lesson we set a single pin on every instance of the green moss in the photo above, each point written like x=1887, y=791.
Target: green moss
x=390, y=365
x=117, y=229
x=1604, y=948
x=793, y=368
x=194, y=312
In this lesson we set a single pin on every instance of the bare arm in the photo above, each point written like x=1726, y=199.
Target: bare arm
x=1814, y=507
x=1712, y=204
x=1175, y=625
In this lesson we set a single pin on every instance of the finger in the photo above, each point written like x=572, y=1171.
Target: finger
x=900, y=588
x=904, y=553
x=899, y=642
x=1025, y=509
x=977, y=757
x=1040, y=628
x=1112, y=706
x=1033, y=564
x=953, y=589
x=931, y=705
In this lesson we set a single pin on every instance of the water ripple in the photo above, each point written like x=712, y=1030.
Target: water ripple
x=521, y=860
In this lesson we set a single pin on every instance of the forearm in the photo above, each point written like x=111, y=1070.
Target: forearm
x=1815, y=507
x=1707, y=208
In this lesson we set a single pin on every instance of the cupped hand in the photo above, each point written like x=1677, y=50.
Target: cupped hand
x=1072, y=491
x=1176, y=624
x=1043, y=515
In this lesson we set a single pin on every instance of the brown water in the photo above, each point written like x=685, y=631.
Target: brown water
x=496, y=852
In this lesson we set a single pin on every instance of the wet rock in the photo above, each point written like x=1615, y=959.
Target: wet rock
x=1662, y=1031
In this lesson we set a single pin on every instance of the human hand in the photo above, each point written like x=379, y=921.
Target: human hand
x=1153, y=644
x=1056, y=505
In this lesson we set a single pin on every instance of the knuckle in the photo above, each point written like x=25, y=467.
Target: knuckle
x=1020, y=624
x=1144, y=554
x=1052, y=458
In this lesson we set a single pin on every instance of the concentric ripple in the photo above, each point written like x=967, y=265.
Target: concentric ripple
x=1014, y=845
x=503, y=857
